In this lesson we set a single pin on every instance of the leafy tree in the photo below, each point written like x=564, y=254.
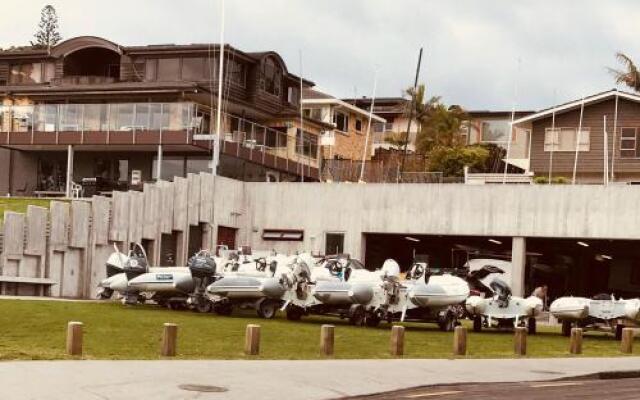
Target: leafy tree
x=452, y=160
x=47, y=34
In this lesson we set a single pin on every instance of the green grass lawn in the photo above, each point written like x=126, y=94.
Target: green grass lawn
x=20, y=204
x=37, y=329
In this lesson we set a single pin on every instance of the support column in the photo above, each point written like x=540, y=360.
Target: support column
x=69, y=170
x=159, y=164
x=518, y=261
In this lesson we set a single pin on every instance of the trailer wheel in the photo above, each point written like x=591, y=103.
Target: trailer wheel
x=619, y=328
x=531, y=326
x=294, y=313
x=566, y=328
x=372, y=320
x=223, y=308
x=203, y=306
x=447, y=322
x=267, y=309
x=356, y=315
x=105, y=294
x=477, y=323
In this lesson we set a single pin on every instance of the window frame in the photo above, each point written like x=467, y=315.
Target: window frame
x=345, y=123
x=554, y=145
x=635, y=143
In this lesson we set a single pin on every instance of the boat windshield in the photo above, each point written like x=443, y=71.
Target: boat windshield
x=355, y=264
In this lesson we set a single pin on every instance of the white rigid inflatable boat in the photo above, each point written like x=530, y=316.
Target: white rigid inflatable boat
x=603, y=312
x=248, y=282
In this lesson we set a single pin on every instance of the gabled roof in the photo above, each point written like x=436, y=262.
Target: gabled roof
x=576, y=104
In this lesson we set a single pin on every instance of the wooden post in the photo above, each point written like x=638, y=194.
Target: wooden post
x=460, y=341
x=520, y=341
x=74, y=338
x=169, y=340
x=326, y=340
x=252, y=340
x=397, y=341
x=626, y=344
x=575, y=341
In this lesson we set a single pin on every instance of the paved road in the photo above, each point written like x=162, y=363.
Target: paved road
x=275, y=380
x=619, y=389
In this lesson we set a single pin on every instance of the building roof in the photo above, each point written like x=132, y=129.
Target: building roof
x=576, y=104
x=316, y=97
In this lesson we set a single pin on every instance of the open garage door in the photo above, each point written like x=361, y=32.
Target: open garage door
x=443, y=251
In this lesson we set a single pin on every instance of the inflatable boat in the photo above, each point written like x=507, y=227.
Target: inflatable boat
x=603, y=312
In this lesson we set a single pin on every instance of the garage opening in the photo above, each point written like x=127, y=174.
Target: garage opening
x=168, y=249
x=583, y=267
x=443, y=251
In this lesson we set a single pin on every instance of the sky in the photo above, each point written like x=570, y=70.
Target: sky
x=482, y=55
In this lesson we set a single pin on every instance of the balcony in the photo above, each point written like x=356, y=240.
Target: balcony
x=54, y=126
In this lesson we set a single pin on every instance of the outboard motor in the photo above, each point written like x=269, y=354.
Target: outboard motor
x=502, y=291
x=391, y=280
x=203, y=270
x=136, y=264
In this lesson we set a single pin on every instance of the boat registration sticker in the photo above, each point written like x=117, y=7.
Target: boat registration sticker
x=164, y=277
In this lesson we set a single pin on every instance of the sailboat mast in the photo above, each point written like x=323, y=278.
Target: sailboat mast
x=578, y=136
x=216, y=147
x=366, y=140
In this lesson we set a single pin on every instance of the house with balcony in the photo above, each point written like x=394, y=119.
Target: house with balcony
x=90, y=112
x=396, y=125
x=347, y=138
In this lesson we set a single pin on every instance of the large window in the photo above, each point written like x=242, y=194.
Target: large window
x=334, y=243
x=564, y=139
x=236, y=73
x=306, y=144
x=629, y=143
x=341, y=120
x=495, y=131
x=272, y=77
x=358, y=125
x=31, y=73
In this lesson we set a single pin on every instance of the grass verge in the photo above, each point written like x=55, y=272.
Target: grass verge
x=36, y=330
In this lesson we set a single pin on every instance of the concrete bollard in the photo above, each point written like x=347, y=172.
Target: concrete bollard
x=460, y=341
x=575, y=341
x=326, y=340
x=626, y=344
x=252, y=340
x=169, y=340
x=74, y=338
x=520, y=341
x=397, y=341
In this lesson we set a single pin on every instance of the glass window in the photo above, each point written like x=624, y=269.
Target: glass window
x=341, y=121
x=172, y=166
x=26, y=73
x=293, y=95
x=564, y=139
x=358, y=125
x=168, y=69
x=628, y=143
x=157, y=117
x=495, y=131
x=198, y=164
x=70, y=117
x=334, y=243
x=193, y=68
x=306, y=144
x=236, y=72
x=142, y=116
x=272, y=77
x=123, y=171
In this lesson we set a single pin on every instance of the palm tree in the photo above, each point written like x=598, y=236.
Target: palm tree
x=630, y=75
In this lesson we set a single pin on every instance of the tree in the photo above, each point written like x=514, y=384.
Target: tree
x=438, y=125
x=452, y=160
x=47, y=34
x=630, y=75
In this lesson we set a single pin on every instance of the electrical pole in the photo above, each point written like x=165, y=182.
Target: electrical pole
x=413, y=106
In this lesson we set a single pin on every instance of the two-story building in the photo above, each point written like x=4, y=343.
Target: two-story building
x=92, y=111
x=347, y=139
x=598, y=137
